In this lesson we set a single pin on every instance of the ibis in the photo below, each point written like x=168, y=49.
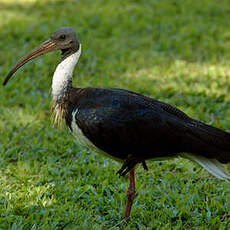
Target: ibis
x=127, y=126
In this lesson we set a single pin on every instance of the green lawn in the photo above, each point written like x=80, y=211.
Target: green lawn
x=175, y=51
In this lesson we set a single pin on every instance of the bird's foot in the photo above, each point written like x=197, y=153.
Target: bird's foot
x=127, y=166
x=144, y=165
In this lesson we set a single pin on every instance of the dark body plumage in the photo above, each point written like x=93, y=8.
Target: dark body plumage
x=125, y=125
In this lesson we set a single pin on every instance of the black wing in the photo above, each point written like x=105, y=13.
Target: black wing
x=123, y=123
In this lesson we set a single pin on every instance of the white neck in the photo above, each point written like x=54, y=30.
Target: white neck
x=63, y=74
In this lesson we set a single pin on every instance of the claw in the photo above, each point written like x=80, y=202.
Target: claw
x=127, y=166
x=144, y=165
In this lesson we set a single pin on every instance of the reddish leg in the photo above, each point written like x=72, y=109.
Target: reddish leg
x=131, y=193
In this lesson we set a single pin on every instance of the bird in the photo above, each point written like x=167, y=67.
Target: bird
x=127, y=126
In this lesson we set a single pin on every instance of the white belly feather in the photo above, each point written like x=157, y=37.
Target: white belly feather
x=83, y=140
x=78, y=134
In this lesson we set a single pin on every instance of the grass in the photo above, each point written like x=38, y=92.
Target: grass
x=175, y=51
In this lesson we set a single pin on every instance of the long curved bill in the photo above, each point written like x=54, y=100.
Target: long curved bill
x=45, y=47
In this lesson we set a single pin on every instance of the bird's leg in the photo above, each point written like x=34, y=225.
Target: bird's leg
x=131, y=193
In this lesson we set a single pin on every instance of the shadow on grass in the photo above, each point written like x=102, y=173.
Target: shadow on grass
x=170, y=31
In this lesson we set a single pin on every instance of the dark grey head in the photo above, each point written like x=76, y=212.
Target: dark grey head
x=64, y=39
x=67, y=41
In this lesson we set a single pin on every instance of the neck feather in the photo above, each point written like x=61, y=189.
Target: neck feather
x=63, y=76
x=62, y=83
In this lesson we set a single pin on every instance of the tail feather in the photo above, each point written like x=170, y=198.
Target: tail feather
x=215, y=142
x=213, y=166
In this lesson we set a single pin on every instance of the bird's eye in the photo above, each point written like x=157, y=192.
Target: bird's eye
x=62, y=37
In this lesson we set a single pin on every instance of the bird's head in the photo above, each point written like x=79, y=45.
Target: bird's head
x=64, y=39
